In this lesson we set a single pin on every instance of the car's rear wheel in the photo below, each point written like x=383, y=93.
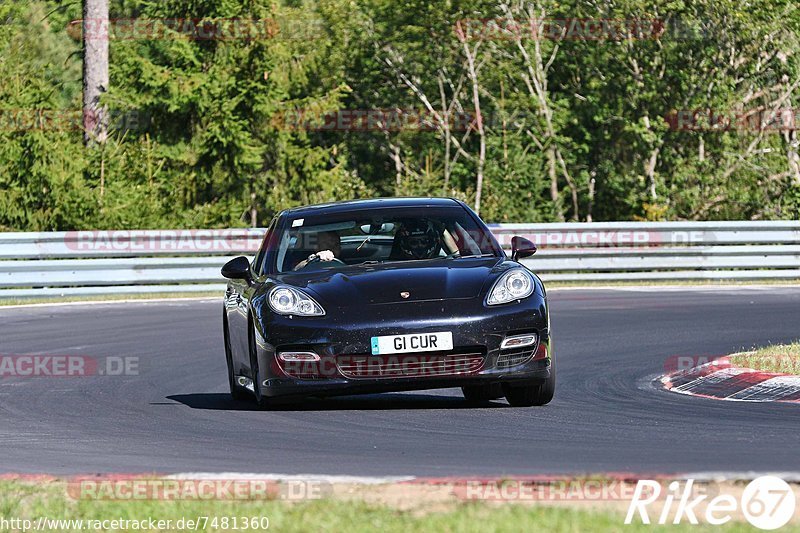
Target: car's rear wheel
x=534, y=393
x=481, y=393
x=238, y=392
x=261, y=400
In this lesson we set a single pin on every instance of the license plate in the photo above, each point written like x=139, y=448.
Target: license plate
x=414, y=342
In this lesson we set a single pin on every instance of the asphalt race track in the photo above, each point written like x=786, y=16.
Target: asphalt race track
x=176, y=416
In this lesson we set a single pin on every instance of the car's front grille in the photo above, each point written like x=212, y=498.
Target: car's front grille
x=507, y=360
x=409, y=365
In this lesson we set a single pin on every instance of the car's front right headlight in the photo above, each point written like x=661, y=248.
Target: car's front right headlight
x=290, y=301
x=515, y=284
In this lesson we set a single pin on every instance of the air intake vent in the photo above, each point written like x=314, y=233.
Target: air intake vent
x=507, y=360
x=409, y=365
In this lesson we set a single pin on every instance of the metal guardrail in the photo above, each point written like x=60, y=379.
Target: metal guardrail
x=85, y=263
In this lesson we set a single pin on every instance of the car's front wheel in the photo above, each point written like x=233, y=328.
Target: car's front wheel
x=261, y=400
x=238, y=392
x=535, y=393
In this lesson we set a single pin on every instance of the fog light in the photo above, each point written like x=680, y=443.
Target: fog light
x=298, y=357
x=246, y=383
x=519, y=341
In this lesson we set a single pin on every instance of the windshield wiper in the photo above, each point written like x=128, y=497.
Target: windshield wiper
x=365, y=241
x=457, y=255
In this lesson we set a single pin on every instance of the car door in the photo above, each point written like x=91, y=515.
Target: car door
x=238, y=296
x=236, y=312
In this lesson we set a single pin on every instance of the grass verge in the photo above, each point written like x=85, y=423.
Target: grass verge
x=781, y=358
x=26, y=500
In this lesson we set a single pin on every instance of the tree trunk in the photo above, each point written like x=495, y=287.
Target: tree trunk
x=651, y=173
x=398, y=167
x=793, y=157
x=96, y=34
x=554, y=196
x=253, y=207
x=701, y=150
x=476, y=104
x=592, y=182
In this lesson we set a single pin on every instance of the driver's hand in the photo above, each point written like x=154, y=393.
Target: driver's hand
x=326, y=255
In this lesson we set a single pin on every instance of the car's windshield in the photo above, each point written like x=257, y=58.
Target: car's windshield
x=380, y=235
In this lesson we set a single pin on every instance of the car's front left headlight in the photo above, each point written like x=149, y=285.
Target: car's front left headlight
x=515, y=284
x=290, y=301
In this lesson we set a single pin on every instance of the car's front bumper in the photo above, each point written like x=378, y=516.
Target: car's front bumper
x=341, y=339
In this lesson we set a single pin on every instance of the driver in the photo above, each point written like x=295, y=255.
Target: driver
x=417, y=239
x=329, y=245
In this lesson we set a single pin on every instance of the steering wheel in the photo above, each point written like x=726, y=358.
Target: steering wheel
x=316, y=259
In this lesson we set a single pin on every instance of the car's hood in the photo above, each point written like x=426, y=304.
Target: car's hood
x=383, y=284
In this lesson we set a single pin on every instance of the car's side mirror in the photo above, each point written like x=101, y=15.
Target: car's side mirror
x=237, y=268
x=521, y=247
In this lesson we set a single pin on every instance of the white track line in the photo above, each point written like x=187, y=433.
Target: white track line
x=675, y=288
x=114, y=302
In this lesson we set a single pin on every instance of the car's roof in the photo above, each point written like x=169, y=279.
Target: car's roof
x=372, y=203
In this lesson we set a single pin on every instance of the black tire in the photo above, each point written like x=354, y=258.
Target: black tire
x=238, y=392
x=481, y=393
x=261, y=400
x=536, y=393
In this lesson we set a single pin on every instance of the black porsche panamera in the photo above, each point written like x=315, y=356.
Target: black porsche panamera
x=386, y=295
